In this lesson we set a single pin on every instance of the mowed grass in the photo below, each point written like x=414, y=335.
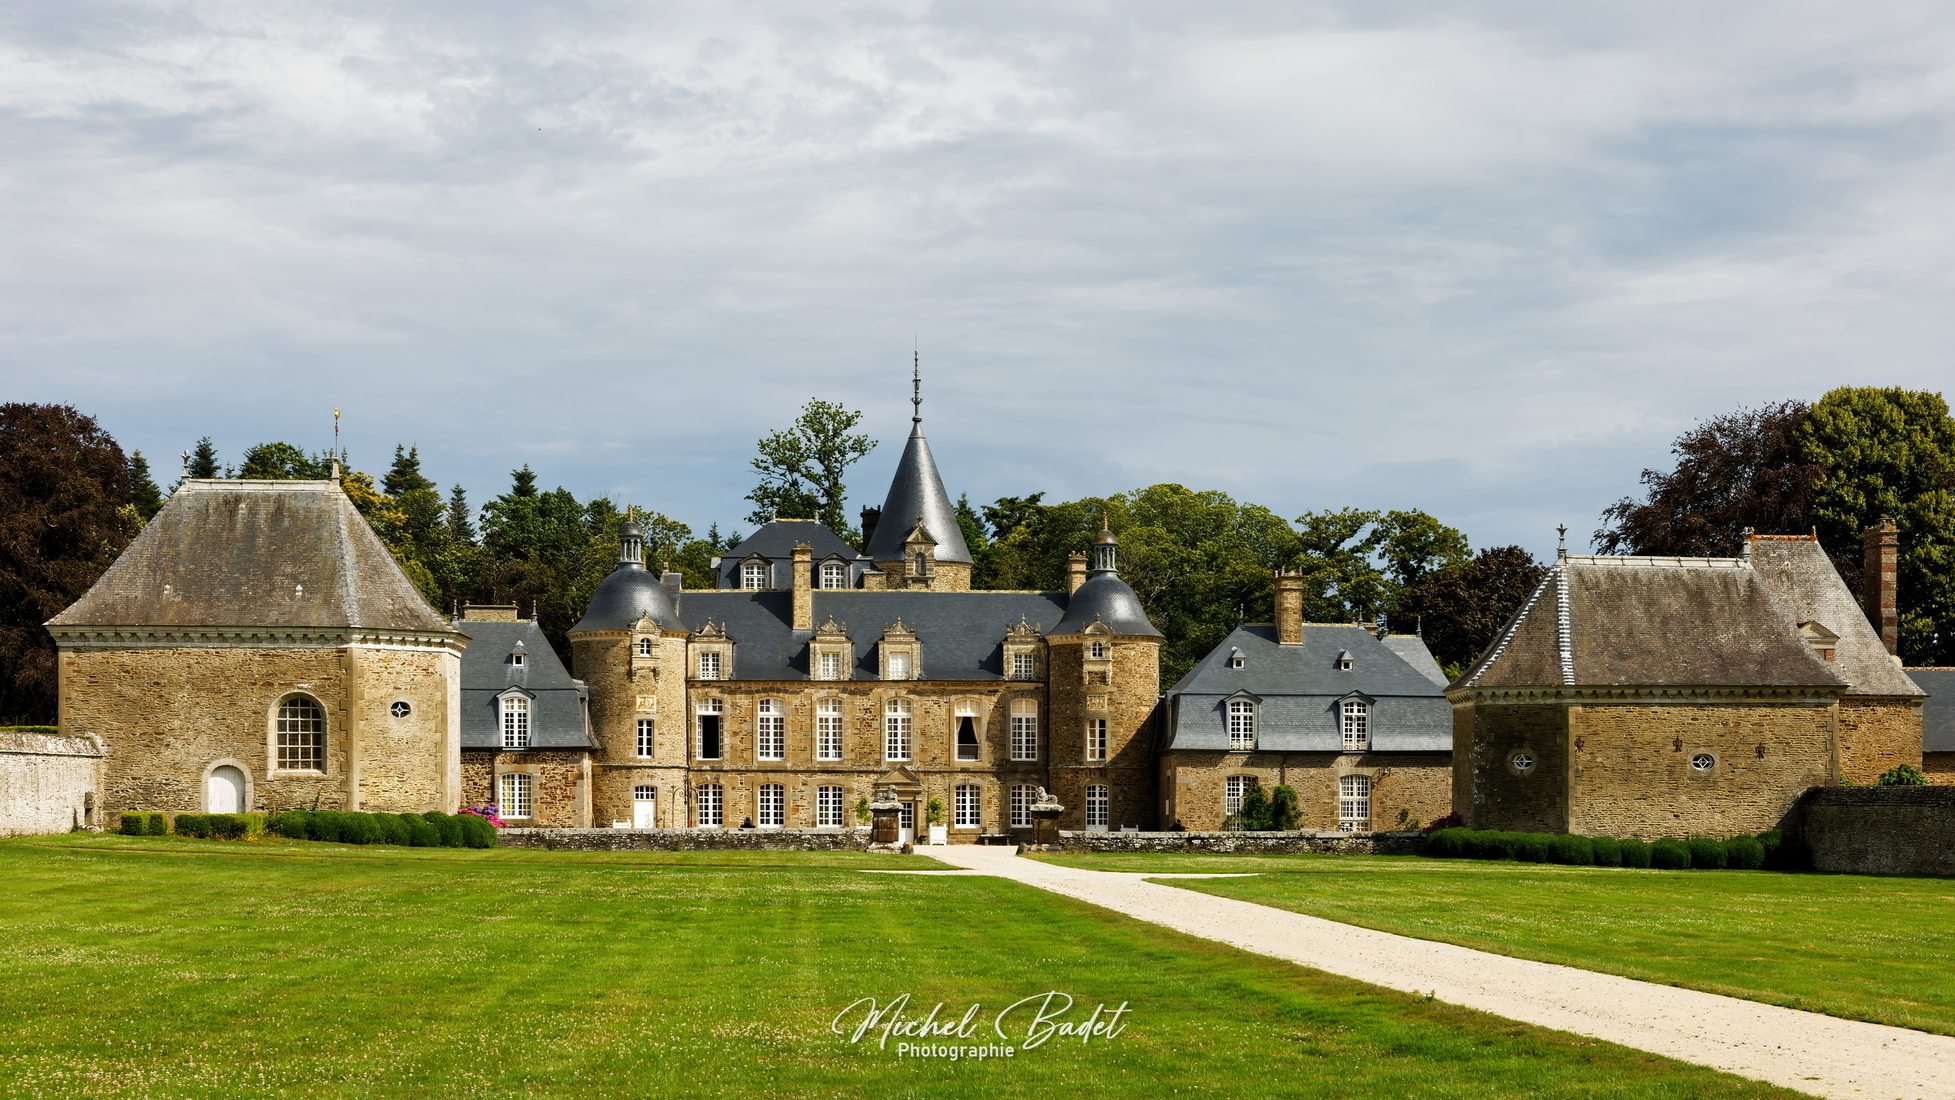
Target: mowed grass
x=1880, y=949
x=171, y=967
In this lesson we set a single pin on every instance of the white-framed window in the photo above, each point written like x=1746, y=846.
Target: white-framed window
x=899, y=665
x=1021, y=805
x=770, y=740
x=711, y=715
x=773, y=806
x=300, y=729
x=644, y=647
x=516, y=658
x=516, y=795
x=1234, y=790
x=1344, y=663
x=1354, y=804
x=1242, y=724
x=644, y=792
x=709, y=665
x=1235, y=658
x=753, y=575
x=1096, y=739
x=1357, y=725
x=515, y=722
x=1099, y=651
x=711, y=804
x=1023, y=665
x=828, y=665
x=645, y=739
x=834, y=575
x=828, y=729
x=1096, y=807
x=1024, y=729
x=896, y=730
x=965, y=801
x=828, y=807
x=966, y=733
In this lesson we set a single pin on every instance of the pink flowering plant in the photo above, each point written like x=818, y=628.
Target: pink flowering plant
x=487, y=812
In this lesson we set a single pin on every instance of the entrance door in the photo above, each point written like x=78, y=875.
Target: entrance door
x=644, y=807
x=907, y=821
x=224, y=791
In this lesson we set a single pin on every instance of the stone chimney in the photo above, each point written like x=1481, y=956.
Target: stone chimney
x=804, y=586
x=1289, y=607
x=1075, y=572
x=489, y=613
x=1880, y=593
x=871, y=519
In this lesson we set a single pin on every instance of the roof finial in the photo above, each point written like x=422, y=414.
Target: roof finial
x=186, y=462
x=1561, y=548
x=335, y=446
x=916, y=381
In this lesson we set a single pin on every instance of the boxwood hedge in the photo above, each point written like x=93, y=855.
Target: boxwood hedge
x=1739, y=853
x=429, y=830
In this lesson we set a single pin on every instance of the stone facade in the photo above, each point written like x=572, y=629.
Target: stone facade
x=1939, y=767
x=48, y=782
x=1408, y=790
x=1880, y=830
x=1286, y=843
x=560, y=783
x=1876, y=735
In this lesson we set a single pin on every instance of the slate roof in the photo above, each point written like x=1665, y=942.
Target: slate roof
x=777, y=538
x=225, y=553
x=1938, y=713
x=1299, y=689
x=1412, y=650
x=1803, y=579
x=625, y=594
x=556, y=719
x=1626, y=621
x=961, y=633
x=917, y=491
x=1109, y=599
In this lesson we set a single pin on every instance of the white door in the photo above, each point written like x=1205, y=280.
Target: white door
x=908, y=823
x=644, y=808
x=224, y=791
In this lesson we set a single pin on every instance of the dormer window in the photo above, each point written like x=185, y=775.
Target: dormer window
x=1344, y=661
x=753, y=576
x=515, y=721
x=516, y=658
x=1235, y=658
x=709, y=666
x=1356, y=714
x=1242, y=724
x=1099, y=651
x=828, y=666
x=899, y=666
x=644, y=647
x=1023, y=665
x=834, y=575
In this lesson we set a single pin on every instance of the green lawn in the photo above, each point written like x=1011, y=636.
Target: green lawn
x=1880, y=949
x=172, y=967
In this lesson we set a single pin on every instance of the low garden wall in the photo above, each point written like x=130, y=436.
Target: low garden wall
x=683, y=840
x=1880, y=830
x=1384, y=844
x=48, y=781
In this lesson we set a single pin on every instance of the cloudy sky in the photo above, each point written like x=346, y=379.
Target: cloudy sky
x=1311, y=255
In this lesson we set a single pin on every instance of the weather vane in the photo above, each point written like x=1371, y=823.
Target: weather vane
x=916, y=383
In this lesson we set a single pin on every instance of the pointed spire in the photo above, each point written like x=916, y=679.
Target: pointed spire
x=916, y=490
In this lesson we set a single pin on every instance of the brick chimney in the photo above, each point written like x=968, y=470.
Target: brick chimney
x=1880, y=593
x=1075, y=571
x=804, y=586
x=1289, y=607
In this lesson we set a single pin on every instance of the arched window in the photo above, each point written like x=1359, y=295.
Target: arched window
x=515, y=722
x=301, y=730
x=753, y=575
x=834, y=575
x=771, y=742
x=1242, y=724
x=644, y=647
x=1357, y=726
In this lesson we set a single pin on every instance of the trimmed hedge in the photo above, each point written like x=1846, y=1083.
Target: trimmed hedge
x=429, y=830
x=219, y=826
x=1767, y=849
x=144, y=824
x=1607, y=851
x=1708, y=854
x=1743, y=853
x=1574, y=851
x=1670, y=855
x=1635, y=853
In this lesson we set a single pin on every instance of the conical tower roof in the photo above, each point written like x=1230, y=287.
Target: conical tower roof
x=916, y=496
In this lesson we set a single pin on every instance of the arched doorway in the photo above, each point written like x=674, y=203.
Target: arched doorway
x=224, y=790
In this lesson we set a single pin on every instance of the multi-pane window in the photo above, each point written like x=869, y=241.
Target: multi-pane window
x=301, y=735
x=644, y=647
x=711, y=713
x=1095, y=739
x=515, y=722
x=828, y=807
x=1023, y=667
x=828, y=665
x=770, y=741
x=1242, y=724
x=896, y=730
x=1099, y=651
x=709, y=799
x=899, y=665
x=834, y=575
x=645, y=737
x=1357, y=726
x=828, y=729
x=1021, y=805
x=1096, y=807
x=753, y=575
x=773, y=806
x=967, y=735
x=964, y=811
x=1024, y=730
x=709, y=665
x=516, y=796
x=1234, y=791
x=1354, y=803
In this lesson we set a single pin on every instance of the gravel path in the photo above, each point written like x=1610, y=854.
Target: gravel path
x=1813, y=1053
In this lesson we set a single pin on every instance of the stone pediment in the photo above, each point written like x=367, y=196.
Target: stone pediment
x=901, y=782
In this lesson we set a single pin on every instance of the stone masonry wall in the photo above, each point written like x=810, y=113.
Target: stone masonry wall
x=1407, y=789
x=559, y=787
x=1128, y=701
x=680, y=840
x=1878, y=734
x=624, y=688
x=1384, y=844
x=1880, y=830
x=1940, y=767
x=1487, y=734
x=48, y=782
x=410, y=764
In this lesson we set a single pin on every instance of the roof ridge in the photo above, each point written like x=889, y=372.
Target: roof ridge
x=1663, y=561
x=1564, y=628
x=1513, y=627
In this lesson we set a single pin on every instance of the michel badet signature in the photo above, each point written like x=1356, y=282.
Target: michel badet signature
x=1029, y=1022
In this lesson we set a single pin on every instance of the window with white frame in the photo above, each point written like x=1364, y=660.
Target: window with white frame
x=709, y=799
x=301, y=733
x=753, y=575
x=516, y=658
x=828, y=665
x=516, y=796
x=964, y=810
x=644, y=647
x=645, y=740
x=828, y=729
x=1021, y=805
x=1099, y=651
x=834, y=575
x=828, y=807
x=1235, y=658
x=1235, y=789
x=1242, y=724
x=1357, y=725
x=1095, y=739
x=1024, y=729
x=773, y=806
x=966, y=733
x=515, y=722
x=898, y=665
x=896, y=730
x=709, y=665
x=1023, y=665
x=770, y=741
x=1096, y=807
x=711, y=713
x=1354, y=803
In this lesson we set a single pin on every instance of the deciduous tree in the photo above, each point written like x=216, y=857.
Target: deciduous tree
x=1743, y=469
x=1461, y=608
x=801, y=469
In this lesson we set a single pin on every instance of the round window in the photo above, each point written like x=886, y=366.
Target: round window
x=1523, y=762
x=400, y=709
x=1702, y=762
